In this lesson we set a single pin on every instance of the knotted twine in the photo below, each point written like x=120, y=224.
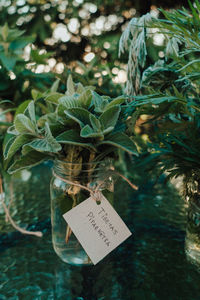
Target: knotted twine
x=94, y=193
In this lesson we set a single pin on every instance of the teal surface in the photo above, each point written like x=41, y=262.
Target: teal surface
x=151, y=264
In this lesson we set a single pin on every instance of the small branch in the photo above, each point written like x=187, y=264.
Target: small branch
x=68, y=234
x=69, y=231
x=8, y=216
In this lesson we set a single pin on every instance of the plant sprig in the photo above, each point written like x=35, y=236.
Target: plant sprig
x=79, y=118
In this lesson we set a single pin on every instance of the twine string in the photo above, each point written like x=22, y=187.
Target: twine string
x=95, y=192
x=91, y=191
x=9, y=218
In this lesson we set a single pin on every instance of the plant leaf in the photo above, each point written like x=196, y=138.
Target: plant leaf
x=108, y=130
x=33, y=158
x=36, y=94
x=122, y=141
x=109, y=117
x=119, y=100
x=70, y=86
x=8, y=140
x=24, y=125
x=99, y=102
x=31, y=111
x=79, y=115
x=8, y=62
x=79, y=88
x=22, y=107
x=13, y=145
x=88, y=132
x=11, y=130
x=53, y=97
x=55, y=85
x=69, y=102
x=95, y=123
x=72, y=137
x=85, y=99
x=46, y=144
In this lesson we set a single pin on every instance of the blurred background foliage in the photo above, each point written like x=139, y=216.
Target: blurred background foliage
x=57, y=35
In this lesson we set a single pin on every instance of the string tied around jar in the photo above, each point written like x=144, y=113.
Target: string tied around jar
x=94, y=192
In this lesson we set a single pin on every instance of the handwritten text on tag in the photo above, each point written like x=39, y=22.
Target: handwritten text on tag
x=98, y=227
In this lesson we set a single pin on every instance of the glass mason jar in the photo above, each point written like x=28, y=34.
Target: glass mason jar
x=192, y=240
x=65, y=195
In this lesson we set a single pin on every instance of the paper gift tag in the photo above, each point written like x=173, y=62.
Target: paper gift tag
x=98, y=227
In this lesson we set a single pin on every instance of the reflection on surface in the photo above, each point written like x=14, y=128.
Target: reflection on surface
x=27, y=196
x=151, y=264
x=84, y=282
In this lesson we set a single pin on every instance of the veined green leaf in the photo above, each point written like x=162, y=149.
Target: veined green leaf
x=46, y=144
x=85, y=99
x=7, y=144
x=70, y=86
x=69, y=102
x=108, y=130
x=79, y=115
x=95, y=123
x=55, y=85
x=41, y=145
x=31, y=111
x=72, y=137
x=157, y=100
x=22, y=107
x=53, y=97
x=36, y=94
x=24, y=125
x=88, y=132
x=11, y=130
x=33, y=158
x=51, y=118
x=15, y=144
x=116, y=101
x=122, y=141
x=6, y=138
x=50, y=139
x=99, y=102
x=79, y=88
x=109, y=117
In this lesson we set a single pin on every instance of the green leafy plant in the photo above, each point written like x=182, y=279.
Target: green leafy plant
x=169, y=90
x=79, y=125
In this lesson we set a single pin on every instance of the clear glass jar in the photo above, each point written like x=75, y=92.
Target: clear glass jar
x=65, y=195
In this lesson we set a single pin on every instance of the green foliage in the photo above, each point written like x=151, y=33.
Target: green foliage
x=17, y=73
x=72, y=123
x=170, y=93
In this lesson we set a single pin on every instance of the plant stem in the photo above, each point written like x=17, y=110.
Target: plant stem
x=69, y=231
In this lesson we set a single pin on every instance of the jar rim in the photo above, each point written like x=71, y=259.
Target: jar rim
x=63, y=162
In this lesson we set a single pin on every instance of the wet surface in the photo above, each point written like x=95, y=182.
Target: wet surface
x=151, y=264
